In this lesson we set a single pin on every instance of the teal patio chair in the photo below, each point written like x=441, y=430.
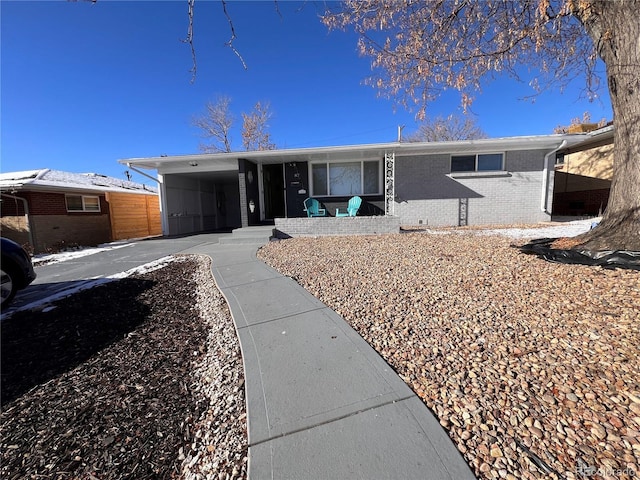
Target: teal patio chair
x=352, y=208
x=312, y=207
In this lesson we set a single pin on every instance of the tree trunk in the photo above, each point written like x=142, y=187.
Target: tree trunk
x=615, y=29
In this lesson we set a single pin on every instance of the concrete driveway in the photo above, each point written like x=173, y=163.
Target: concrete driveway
x=57, y=278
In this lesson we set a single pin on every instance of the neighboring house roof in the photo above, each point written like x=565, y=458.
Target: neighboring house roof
x=228, y=161
x=47, y=180
x=592, y=157
x=601, y=136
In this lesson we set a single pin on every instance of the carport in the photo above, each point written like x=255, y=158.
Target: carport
x=197, y=194
x=217, y=192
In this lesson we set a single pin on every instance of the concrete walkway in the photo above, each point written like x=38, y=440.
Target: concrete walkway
x=321, y=403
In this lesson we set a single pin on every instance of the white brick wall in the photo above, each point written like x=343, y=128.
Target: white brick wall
x=321, y=226
x=426, y=194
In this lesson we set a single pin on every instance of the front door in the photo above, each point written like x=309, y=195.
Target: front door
x=273, y=178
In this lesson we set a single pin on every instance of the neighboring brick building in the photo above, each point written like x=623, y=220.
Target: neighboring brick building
x=49, y=209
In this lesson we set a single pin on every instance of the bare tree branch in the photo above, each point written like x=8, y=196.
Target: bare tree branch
x=216, y=124
x=217, y=121
x=451, y=128
x=189, y=40
x=233, y=34
x=254, y=128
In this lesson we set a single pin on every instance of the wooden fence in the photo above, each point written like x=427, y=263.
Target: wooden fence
x=134, y=215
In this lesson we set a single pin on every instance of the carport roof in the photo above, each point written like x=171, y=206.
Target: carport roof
x=229, y=161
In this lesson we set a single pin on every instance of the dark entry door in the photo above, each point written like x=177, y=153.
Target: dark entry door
x=273, y=180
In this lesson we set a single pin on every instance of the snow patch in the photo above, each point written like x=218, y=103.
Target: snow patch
x=43, y=304
x=49, y=258
x=568, y=229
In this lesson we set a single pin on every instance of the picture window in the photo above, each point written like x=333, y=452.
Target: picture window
x=346, y=178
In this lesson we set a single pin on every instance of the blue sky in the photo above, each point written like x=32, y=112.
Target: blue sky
x=83, y=85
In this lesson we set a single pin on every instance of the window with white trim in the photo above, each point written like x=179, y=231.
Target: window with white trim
x=481, y=162
x=82, y=203
x=362, y=177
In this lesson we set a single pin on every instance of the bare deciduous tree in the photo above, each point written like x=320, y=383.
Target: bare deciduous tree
x=216, y=125
x=254, y=128
x=421, y=48
x=447, y=129
x=217, y=122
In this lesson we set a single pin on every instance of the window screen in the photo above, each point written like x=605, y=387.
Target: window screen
x=463, y=163
x=491, y=161
x=371, y=174
x=81, y=203
x=74, y=203
x=319, y=177
x=344, y=178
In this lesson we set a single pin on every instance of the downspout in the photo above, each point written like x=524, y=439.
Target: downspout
x=545, y=177
x=26, y=214
x=164, y=221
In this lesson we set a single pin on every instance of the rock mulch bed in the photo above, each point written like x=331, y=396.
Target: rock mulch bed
x=532, y=367
x=138, y=378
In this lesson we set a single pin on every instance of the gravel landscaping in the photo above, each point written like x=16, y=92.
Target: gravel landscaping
x=532, y=367
x=137, y=378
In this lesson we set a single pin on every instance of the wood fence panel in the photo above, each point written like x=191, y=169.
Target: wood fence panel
x=154, y=221
x=133, y=215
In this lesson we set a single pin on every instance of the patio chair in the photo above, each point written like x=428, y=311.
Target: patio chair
x=352, y=208
x=312, y=207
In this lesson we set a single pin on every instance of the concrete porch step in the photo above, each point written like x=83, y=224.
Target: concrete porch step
x=249, y=235
x=243, y=240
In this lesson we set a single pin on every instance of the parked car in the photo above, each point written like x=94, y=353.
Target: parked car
x=16, y=270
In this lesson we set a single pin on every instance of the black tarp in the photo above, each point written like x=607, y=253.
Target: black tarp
x=607, y=259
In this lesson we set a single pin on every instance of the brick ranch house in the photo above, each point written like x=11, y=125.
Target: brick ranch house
x=470, y=182
x=50, y=208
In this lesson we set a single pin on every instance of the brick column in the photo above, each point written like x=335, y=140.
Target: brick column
x=244, y=216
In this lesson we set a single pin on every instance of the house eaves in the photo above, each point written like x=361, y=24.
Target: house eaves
x=229, y=161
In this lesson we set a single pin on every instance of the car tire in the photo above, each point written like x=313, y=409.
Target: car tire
x=8, y=284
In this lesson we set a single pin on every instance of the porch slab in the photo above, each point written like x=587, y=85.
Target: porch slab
x=325, y=226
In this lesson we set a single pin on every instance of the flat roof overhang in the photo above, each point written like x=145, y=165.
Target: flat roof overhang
x=225, y=162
